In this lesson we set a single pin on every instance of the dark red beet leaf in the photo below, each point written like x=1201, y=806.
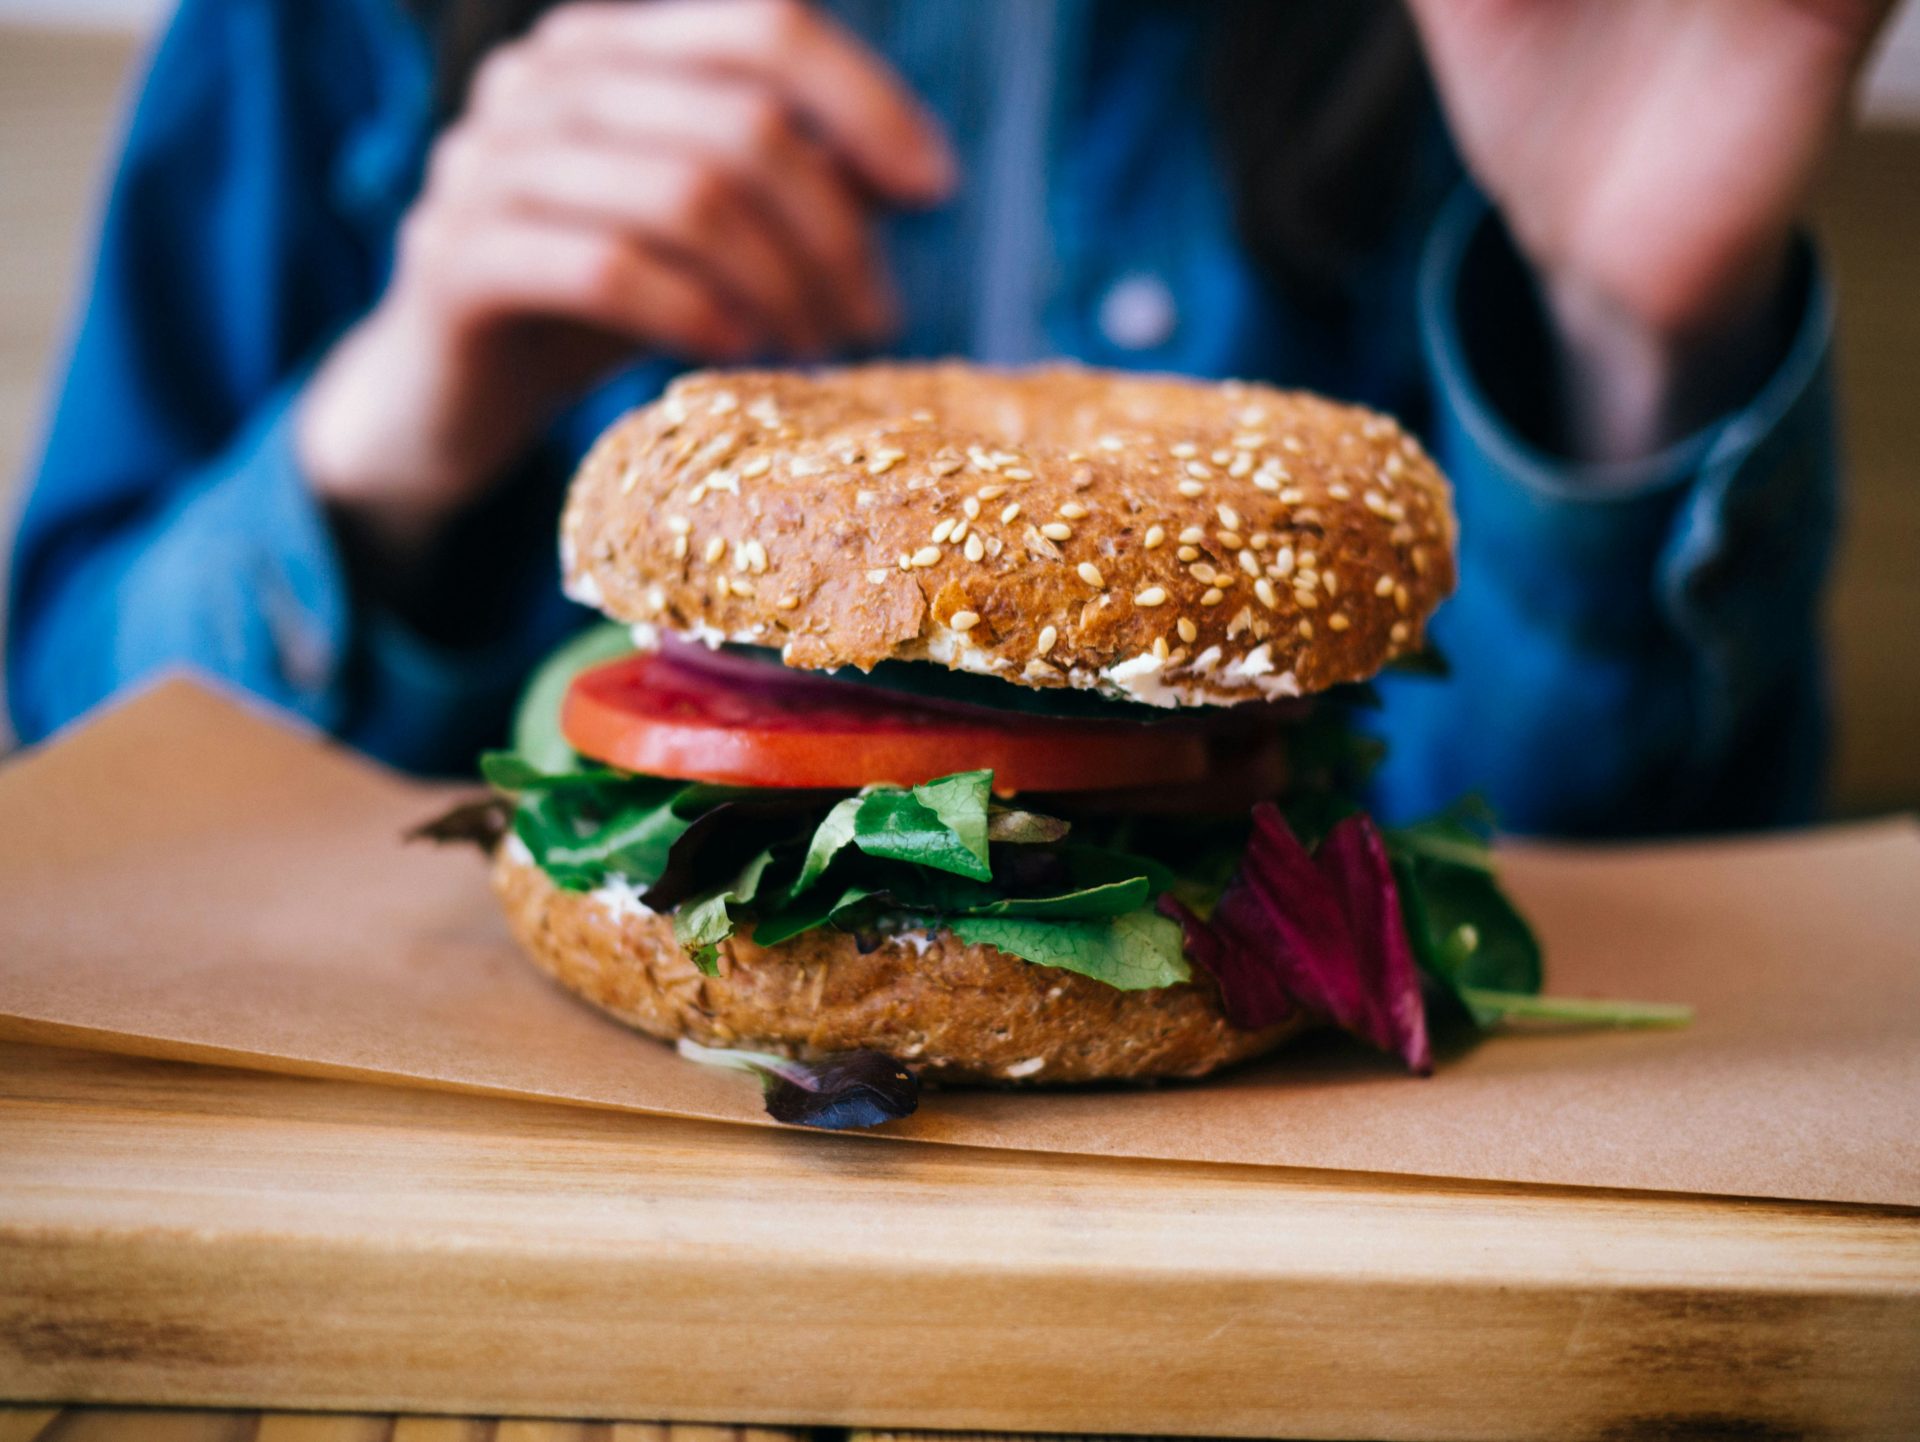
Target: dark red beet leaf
x=1319, y=933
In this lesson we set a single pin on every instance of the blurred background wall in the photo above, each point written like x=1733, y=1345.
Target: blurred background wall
x=64, y=65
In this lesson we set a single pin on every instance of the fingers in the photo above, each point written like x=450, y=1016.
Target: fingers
x=676, y=204
x=749, y=132
x=840, y=88
x=486, y=267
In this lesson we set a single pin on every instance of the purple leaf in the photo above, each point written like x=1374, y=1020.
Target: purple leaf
x=1315, y=933
x=480, y=822
x=848, y=1089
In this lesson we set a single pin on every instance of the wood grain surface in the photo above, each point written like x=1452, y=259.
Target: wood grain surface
x=144, y=1424
x=198, y=1237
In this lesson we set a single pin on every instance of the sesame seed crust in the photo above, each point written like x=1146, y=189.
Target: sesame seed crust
x=839, y=517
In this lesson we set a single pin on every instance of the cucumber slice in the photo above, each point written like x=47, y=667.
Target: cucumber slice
x=536, y=722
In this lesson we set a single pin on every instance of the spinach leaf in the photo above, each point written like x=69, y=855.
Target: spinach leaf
x=1115, y=898
x=824, y=905
x=906, y=826
x=510, y=771
x=1464, y=931
x=961, y=801
x=1134, y=952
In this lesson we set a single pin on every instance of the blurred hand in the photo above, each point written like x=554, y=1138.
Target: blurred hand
x=1650, y=158
x=692, y=177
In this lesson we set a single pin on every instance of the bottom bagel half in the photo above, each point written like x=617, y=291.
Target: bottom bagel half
x=956, y=1012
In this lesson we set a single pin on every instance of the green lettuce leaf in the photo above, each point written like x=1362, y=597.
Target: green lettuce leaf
x=1134, y=952
x=702, y=922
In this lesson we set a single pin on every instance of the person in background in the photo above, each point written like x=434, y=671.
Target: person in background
x=371, y=276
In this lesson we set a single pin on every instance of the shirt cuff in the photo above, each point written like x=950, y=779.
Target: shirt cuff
x=1580, y=543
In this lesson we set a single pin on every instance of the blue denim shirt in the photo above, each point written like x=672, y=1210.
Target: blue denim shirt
x=1634, y=648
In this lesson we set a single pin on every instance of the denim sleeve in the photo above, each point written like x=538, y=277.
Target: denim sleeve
x=1634, y=648
x=168, y=524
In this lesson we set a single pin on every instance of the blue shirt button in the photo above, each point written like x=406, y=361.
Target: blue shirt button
x=1138, y=313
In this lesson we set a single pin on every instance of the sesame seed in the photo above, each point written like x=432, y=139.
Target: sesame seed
x=946, y=465
x=1400, y=598
x=1229, y=517
x=1010, y=514
x=1375, y=502
x=1110, y=443
x=1191, y=489
x=723, y=402
x=974, y=548
x=1231, y=540
x=1213, y=596
x=1017, y=473
x=981, y=460
x=970, y=508
x=1330, y=582
x=1250, y=563
x=943, y=530
x=1040, y=670
x=756, y=557
x=1160, y=650
x=906, y=561
x=1199, y=470
x=1043, y=643
x=1203, y=573
x=1306, y=599
x=742, y=588
x=787, y=602
x=1242, y=466
x=884, y=461
x=1188, y=631
x=679, y=548
x=679, y=525
x=1263, y=588
x=1340, y=492
x=756, y=468
x=1155, y=538
x=1073, y=511
x=876, y=576
x=1183, y=450
x=991, y=492
x=1291, y=443
x=1292, y=496
x=1399, y=633
x=1188, y=553
x=1336, y=622
x=1259, y=540
x=1152, y=596
x=1090, y=573
x=1242, y=620
x=1282, y=565
x=964, y=620
x=927, y=556
x=716, y=548
x=1305, y=628
x=1221, y=457
x=1249, y=441
x=959, y=531
x=1057, y=531
x=1266, y=482
x=1309, y=561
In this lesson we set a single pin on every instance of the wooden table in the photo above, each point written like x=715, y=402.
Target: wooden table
x=190, y=1236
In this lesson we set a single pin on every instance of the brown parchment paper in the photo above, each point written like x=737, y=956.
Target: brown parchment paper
x=187, y=877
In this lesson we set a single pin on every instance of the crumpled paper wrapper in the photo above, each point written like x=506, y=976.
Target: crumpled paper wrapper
x=188, y=877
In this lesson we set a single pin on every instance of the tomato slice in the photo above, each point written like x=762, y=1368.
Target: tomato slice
x=661, y=715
